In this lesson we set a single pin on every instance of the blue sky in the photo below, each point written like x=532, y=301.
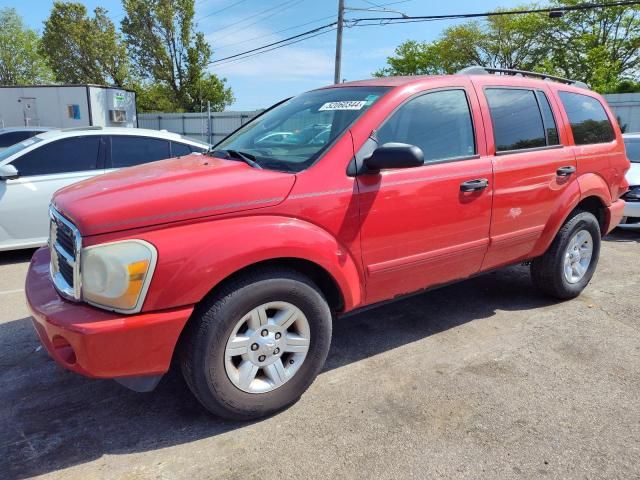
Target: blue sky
x=264, y=79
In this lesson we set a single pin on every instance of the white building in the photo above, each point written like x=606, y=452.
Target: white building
x=66, y=106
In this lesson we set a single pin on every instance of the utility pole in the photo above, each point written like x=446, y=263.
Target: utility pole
x=209, y=132
x=337, y=72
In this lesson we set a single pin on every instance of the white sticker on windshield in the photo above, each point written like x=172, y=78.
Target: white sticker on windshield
x=344, y=105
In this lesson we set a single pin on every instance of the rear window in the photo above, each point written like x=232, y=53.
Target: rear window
x=632, y=145
x=516, y=117
x=588, y=119
x=10, y=138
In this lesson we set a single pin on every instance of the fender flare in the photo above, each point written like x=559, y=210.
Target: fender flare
x=585, y=186
x=188, y=271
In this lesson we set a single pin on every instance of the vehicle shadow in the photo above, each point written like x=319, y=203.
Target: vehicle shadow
x=53, y=419
x=623, y=235
x=16, y=256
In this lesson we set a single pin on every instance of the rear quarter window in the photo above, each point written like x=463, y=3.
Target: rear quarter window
x=588, y=118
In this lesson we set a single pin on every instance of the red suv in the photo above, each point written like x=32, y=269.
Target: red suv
x=234, y=263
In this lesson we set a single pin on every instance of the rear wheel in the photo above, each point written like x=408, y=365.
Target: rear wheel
x=569, y=263
x=257, y=346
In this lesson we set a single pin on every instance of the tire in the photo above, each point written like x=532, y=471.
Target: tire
x=550, y=273
x=216, y=378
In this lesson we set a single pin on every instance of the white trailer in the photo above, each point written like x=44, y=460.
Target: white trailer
x=66, y=106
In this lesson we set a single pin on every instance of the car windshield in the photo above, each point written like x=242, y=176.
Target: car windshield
x=294, y=134
x=632, y=145
x=13, y=149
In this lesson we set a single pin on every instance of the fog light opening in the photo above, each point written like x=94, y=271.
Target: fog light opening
x=63, y=350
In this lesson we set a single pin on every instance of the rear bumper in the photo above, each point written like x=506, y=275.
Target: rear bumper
x=97, y=343
x=615, y=212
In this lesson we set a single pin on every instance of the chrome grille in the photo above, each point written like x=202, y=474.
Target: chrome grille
x=65, y=243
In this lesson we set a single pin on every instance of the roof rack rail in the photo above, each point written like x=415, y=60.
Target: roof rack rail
x=480, y=70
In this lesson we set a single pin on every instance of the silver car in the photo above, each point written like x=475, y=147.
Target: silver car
x=32, y=170
x=631, y=217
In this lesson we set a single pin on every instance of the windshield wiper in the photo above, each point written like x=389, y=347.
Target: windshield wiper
x=245, y=157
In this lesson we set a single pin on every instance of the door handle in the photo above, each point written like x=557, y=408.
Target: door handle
x=474, y=185
x=565, y=171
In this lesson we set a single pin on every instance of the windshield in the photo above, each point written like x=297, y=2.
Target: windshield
x=13, y=149
x=293, y=135
x=632, y=145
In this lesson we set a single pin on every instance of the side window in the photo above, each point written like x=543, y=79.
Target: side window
x=179, y=149
x=11, y=138
x=127, y=151
x=62, y=156
x=547, y=118
x=516, y=118
x=438, y=122
x=588, y=119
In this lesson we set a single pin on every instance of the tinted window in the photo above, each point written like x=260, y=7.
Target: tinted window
x=517, y=122
x=547, y=118
x=127, y=151
x=632, y=145
x=589, y=121
x=439, y=123
x=11, y=138
x=66, y=155
x=179, y=149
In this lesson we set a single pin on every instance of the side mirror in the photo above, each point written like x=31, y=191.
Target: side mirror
x=8, y=172
x=394, y=155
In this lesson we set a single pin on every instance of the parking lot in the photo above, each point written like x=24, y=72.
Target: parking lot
x=482, y=379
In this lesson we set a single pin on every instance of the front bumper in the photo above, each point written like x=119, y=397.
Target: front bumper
x=97, y=343
x=631, y=211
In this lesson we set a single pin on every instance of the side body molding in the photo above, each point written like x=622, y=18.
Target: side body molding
x=217, y=249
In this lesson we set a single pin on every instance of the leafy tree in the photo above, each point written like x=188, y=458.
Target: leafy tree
x=81, y=49
x=598, y=46
x=20, y=62
x=509, y=41
x=171, y=57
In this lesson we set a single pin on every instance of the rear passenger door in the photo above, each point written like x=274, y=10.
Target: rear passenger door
x=532, y=164
x=130, y=150
x=418, y=226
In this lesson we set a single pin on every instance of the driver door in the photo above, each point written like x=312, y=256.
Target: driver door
x=418, y=227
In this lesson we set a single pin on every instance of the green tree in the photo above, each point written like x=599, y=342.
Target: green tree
x=171, y=57
x=20, y=61
x=81, y=49
x=598, y=46
x=509, y=41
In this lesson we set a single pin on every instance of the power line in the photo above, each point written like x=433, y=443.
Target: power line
x=271, y=49
x=275, y=7
x=411, y=19
x=226, y=45
x=222, y=9
x=300, y=35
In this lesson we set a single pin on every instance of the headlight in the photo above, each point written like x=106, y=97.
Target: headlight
x=116, y=275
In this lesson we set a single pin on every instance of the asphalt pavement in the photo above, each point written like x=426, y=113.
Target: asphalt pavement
x=482, y=379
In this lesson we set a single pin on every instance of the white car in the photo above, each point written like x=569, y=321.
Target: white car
x=32, y=170
x=631, y=217
x=12, y=135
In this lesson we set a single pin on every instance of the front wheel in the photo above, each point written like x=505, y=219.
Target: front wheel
x=257, y=346
x=569, y=263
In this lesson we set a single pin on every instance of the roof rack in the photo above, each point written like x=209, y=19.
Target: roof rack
x=479, y=70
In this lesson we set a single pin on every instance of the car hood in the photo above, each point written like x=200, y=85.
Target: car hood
x=633, y=174
x=167, y=191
